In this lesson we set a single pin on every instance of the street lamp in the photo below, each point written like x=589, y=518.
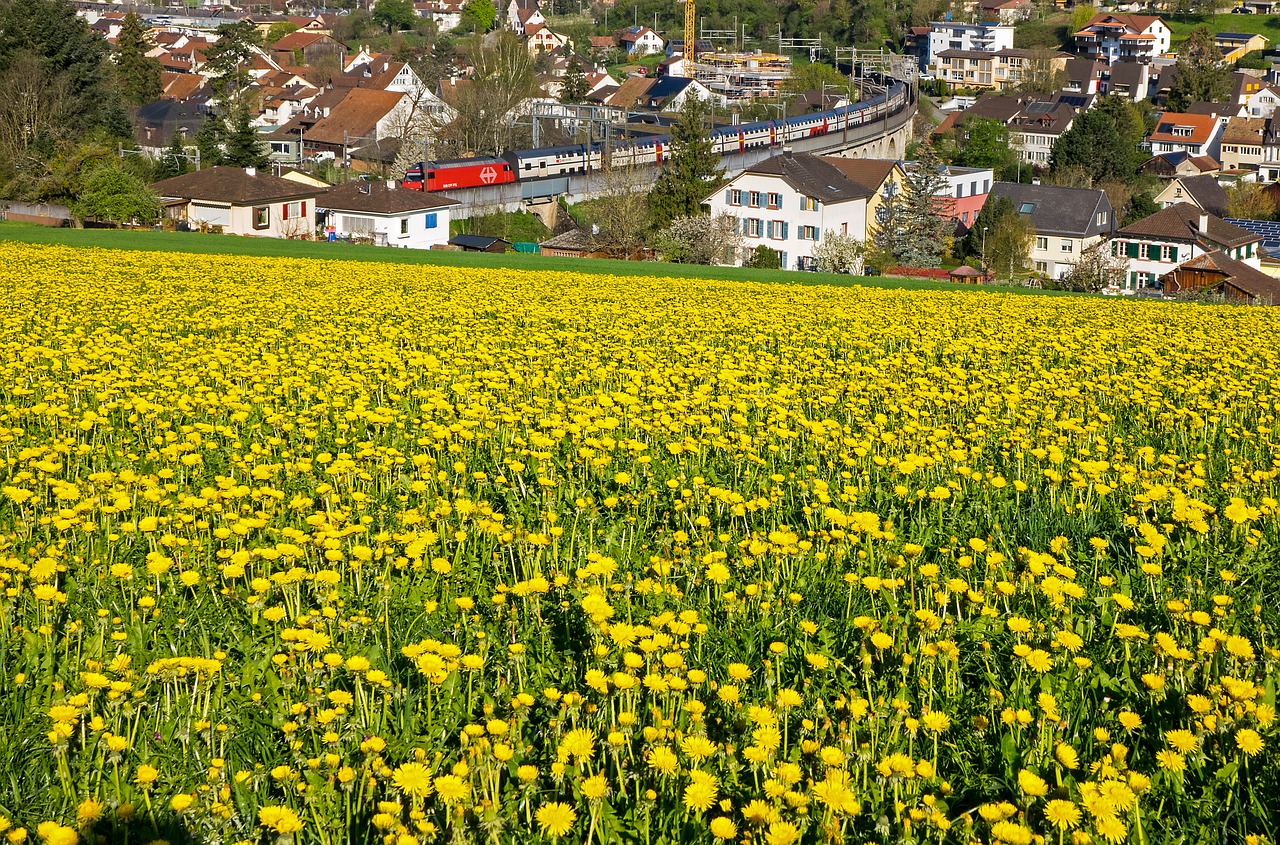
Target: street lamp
x=984, y=248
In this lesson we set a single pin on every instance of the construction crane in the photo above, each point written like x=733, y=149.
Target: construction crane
x=690, y=31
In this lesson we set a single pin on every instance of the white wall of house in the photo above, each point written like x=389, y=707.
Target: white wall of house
x=291, y=219
x=1149, y=258
x=956, y=36
x=411, y=230
x=1056, y=255
x=784, y=219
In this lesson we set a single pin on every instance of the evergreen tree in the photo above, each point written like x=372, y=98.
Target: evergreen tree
x=174, y=161
x=1093, y=145
x=573, y=87
x=139, y=74
x=926, y=228
x=227, y=61
x=439, y=64
x=208, y=140
x=1199, y=75
x=1130, y=128
x=994, y=210
x=243, y=146
x=691, y=170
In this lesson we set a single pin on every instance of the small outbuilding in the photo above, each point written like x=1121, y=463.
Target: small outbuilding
x=575, y=243
x=968, y=275
x=479, y=243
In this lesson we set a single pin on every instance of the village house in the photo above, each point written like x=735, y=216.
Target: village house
x=946, y=35
x=1034, y=130
x=1113, y=38
x=388, y=214
x=1130, y=80
x=640, y=41
x=1242, y=143
x=1193, y=134
x=446, y=14
x=789, y=202
x=883, y=177
x=241, y=201
x=540, y=38
x=1160, y=242
x=1006, y=12
x=1067, y=221
x=155, y=125
x=1236, y=45
x=302, y=48
x=997, y=70
x=1171, y=165
x=1085, y=76
x=1203, y=192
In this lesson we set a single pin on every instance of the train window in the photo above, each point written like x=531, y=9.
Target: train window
x=431, y=174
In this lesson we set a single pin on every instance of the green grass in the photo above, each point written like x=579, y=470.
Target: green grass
x=231, y=245
x=1268, y=25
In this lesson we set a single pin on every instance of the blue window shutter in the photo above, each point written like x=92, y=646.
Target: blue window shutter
x=431, y=220
x=770, y=228
x=728, y=197
x=786, y=229
x=744, y=227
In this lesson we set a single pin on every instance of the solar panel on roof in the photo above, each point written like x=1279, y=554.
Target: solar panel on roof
x=1040, y=108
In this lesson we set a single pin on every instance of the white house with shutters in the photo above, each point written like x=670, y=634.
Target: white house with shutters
x=1155, y=245
x=388, y=214
x=790, y=202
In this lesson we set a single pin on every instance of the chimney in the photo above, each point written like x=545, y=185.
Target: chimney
x=786, y=151
x=250, y=171
x=1204, y=224
x=391, y=184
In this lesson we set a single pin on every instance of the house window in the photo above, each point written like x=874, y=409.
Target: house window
x=293, y=210
x=261, y=217
x=404, y=226
x=735, y=197
x=754, y=199
x=959, y=191
x=1042, y=243
x=1026, y=208
x=1102, y=218
x=432, y=220
x=1067, y=246
x=1042, y=267
x=775, y=200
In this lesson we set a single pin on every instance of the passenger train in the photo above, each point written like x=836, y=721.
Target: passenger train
x=551, y=162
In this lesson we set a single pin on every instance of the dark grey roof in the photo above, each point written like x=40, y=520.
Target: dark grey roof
x=377, y=198
x=1053, y=210
x=1207, y=193
x=812, y=176
x=1127, y=73
x=475, y=241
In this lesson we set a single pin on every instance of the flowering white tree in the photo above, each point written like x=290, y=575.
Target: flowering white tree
x=837, y=253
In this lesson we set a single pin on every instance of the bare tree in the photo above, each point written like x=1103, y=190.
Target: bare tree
x=1097, y=269
x=489, y=103
x=36, y=109
x=620, y=213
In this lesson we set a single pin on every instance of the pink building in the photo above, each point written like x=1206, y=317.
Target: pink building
x=969, y=187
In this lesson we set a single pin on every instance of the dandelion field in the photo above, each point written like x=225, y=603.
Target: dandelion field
x=332, y=552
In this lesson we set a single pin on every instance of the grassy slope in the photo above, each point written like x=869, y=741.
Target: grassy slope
x=1268, y=25
x=230, y=245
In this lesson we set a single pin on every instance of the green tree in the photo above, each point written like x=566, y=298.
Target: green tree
x=573, y=87
x=1199, y=74
x=243, y=147
x=922, y=229
x=1131, y=128
x=208, y=140
x=691, y=171
x=111, y=194
x=139, y=74
x=764, y=258
x=437, y=64
x=1092, y=145
x=985, y=143
x=394, y=14
x=227, y=61
x=478, y=16
x=174, y=161
x=994, y=210
x=279, y=30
